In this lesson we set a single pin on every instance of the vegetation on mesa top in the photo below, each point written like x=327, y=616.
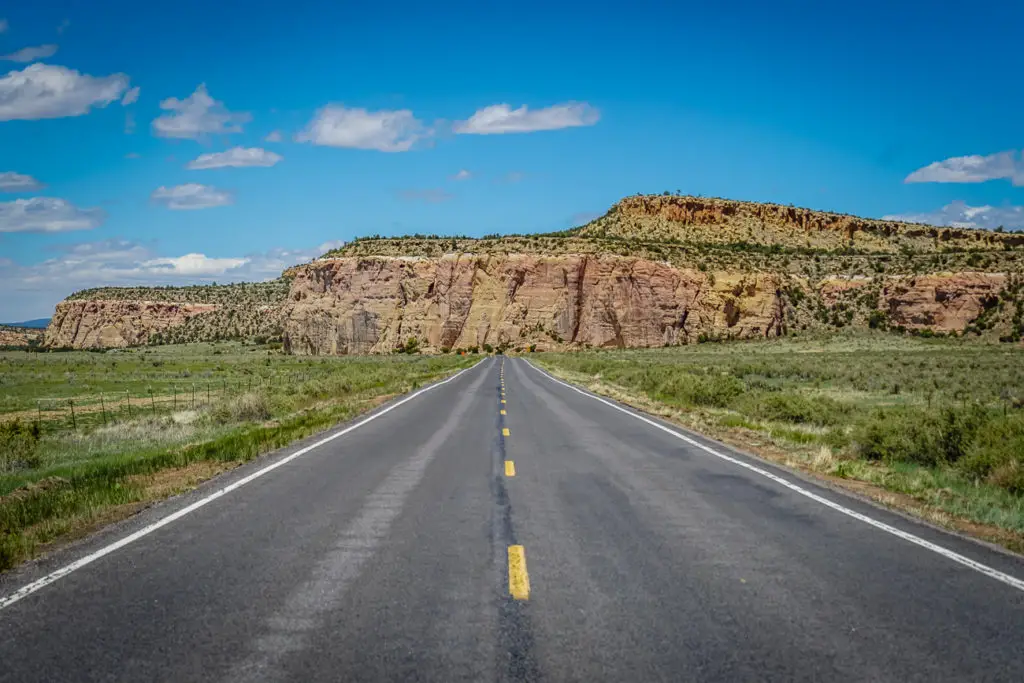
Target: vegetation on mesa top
x=271, y=292
x=656, y=224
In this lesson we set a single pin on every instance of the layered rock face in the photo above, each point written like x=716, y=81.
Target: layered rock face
x=724, y=221
x=18, y=336
x=374, y=304
x=84, y=324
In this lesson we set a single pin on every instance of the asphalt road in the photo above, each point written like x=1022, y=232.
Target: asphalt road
x=406, y=550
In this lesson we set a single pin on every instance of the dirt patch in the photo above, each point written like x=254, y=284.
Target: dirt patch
x=166, y=483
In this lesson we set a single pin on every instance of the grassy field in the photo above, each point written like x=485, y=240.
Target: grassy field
x=934, y=427
x=86, y=438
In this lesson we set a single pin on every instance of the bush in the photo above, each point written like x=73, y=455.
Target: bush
x=19, y=445
x=248, y=407
x=717, y=391
x=799, y=409
x=997, y=454
x=925, y=438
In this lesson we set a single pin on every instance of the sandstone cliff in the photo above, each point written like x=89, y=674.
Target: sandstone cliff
x=374, y=304
x=726, y=221
x=134, y=316
x=107, y=324
x=18, y=337
x=652, y=271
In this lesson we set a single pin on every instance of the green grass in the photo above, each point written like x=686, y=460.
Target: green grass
x=63, y=476
x=938, y=420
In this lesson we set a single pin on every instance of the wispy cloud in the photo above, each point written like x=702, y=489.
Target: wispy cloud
x=462, y=175
x=273, y=136
x=4, y=26
x=501, y=118
x=197, y=116
x=63, y=26
x=43, y=91
x=47, y=214
x=385, y=131
x=31, y=54
x=191, y=196
x=961, y=214
x=131, y=96
x=430, y=195
x=18, y=182
x=973, y=169
x=129, y=123
x=237, y=157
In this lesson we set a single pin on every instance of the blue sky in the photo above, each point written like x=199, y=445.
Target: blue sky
x=407, y=117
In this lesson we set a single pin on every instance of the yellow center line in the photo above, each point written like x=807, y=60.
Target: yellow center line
x=502, y=400
x=510, y=468
x=518, y=579
x=503, y=412
x=504, y=431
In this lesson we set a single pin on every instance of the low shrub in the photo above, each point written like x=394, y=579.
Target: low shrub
x=251, y=406
x=19, y=445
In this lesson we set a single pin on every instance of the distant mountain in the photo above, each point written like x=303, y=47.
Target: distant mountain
x=37, y=324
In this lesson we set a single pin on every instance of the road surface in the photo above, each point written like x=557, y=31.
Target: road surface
x=562, y=540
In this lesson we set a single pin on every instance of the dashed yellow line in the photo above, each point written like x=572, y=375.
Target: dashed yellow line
x=504, y=431
x=503, y=412
x=510, y=468
x=502, y=400
x=518, y=579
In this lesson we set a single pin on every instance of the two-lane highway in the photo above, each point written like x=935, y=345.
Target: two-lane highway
x=505, y=526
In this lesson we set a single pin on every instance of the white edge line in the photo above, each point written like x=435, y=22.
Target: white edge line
x=906, y=536
x=40, y=583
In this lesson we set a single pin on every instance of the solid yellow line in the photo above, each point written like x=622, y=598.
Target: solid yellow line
x=518, y=579
x=504, y=431
x=510, y=468
x=503, y=412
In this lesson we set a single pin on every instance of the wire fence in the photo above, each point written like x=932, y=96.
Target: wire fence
x=103, y=408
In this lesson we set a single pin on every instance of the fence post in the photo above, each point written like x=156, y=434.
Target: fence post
x=207, y=393
x=39, y=415
x=74, y=422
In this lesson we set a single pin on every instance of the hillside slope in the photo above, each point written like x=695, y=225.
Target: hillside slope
x=654, y=270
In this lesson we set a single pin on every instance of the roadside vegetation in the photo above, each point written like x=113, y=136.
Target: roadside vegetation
x=90, y=437
x=930, y=426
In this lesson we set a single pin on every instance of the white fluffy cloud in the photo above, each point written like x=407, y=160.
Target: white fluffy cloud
x=131, y=96
x=501, y=118
x=273, y=136
x=31, y=54
x=44, y=91
x=35, y=289
x=47, y=214
x=961, y=214
x=193, y=265
x=191, y=196
x=18, y=182
x=462, y=175
x=197, y=116
x=972, y=169
x=237, y=157
x=384, y=131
